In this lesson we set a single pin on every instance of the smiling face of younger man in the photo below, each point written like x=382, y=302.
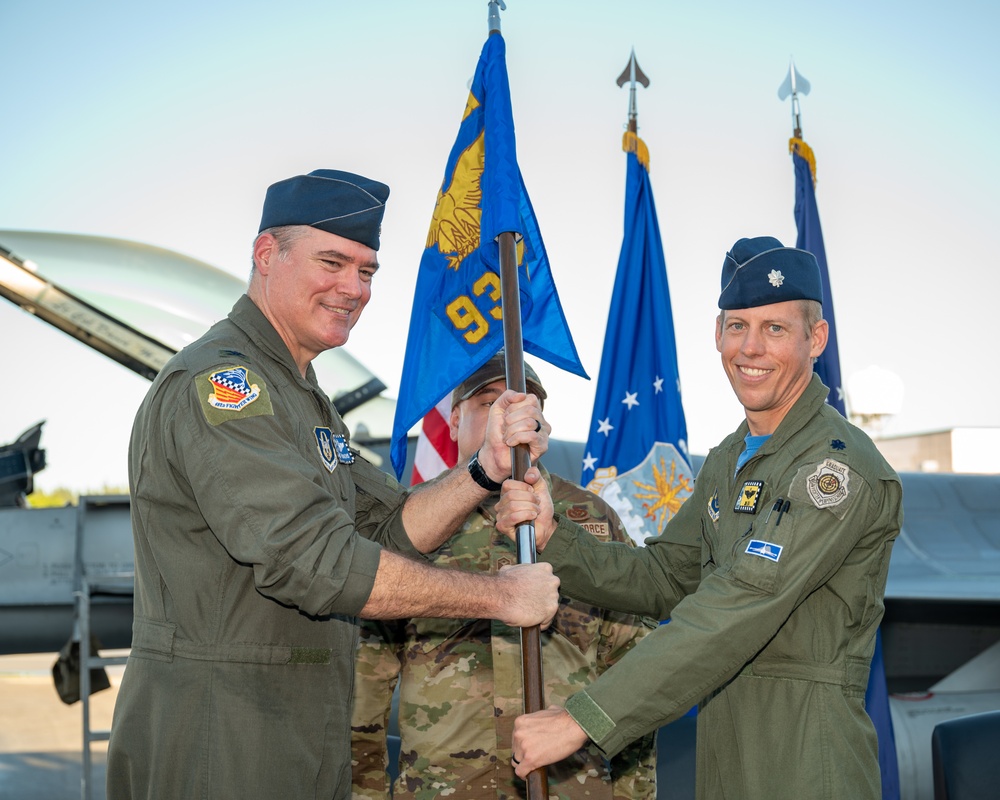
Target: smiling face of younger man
x=767, y=353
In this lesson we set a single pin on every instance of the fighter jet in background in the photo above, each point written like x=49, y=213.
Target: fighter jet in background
x=138, y=304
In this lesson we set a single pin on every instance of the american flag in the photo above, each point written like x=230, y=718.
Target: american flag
x=435, y=451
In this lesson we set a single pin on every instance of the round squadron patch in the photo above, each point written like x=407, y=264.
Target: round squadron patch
x=827, y=486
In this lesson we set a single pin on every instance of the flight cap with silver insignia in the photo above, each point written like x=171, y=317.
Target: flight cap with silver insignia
x=762, y=271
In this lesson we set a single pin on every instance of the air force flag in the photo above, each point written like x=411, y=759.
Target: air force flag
x=636, y=456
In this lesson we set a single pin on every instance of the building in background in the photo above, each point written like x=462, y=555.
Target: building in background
x=965, y=450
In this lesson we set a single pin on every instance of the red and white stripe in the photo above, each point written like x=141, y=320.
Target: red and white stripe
x=435, y=451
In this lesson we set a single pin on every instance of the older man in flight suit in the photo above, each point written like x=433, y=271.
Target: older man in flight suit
x=260, y=533
x=773, y=572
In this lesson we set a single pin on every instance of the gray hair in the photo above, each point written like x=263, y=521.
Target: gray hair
x=285, y=236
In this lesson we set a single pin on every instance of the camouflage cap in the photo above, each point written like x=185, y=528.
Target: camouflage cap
x=495, y=370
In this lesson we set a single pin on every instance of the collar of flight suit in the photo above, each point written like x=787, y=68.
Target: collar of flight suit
x=246, y=316
x=804, y=409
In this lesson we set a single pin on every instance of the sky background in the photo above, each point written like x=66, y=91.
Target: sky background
x=165, y=124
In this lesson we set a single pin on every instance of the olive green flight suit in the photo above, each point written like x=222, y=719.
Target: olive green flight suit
x=773, y=612
x=249, y=571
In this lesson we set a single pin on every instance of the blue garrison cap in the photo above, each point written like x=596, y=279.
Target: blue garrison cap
x=333, y=201
x=761, y=271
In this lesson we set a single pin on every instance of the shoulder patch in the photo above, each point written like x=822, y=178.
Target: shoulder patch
x=232, y=393
x=827, y=486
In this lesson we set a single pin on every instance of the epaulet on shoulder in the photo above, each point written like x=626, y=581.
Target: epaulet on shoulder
x=849, y=444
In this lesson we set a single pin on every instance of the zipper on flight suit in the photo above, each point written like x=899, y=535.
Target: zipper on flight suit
x=739, y=542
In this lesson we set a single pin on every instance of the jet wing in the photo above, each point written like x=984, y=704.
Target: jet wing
x=172, y=299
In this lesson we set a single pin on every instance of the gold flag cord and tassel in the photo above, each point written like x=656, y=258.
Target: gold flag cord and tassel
x=631, y=143
x=798, y=146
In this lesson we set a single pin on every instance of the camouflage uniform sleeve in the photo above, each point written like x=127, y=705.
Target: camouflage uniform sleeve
x=633, y=770
x=377, y=668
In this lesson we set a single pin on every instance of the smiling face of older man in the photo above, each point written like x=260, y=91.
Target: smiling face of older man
x=312, y=286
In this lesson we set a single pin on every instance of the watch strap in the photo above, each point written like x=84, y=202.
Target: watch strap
x=479, y=475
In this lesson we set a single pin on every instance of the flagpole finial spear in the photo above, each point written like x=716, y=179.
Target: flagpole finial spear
x=494, y=15
x=632, y=75
x=794, y=85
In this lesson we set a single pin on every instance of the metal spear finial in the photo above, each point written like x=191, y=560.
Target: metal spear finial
x=794, y=85
x=632, y=74
x=494, y=16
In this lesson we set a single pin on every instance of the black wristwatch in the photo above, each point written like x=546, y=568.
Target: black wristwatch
x=479, y=475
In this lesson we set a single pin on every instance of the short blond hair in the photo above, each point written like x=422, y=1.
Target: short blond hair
x=812, y=313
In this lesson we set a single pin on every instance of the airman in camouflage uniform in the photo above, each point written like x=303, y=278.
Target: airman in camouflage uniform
x=460, y=682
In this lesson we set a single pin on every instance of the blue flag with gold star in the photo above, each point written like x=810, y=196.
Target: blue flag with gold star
x=828, y=368
x=636, y=456
x=810, y=237
x=456, y=322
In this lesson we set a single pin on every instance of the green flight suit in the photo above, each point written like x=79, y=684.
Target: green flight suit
x=249, y=571
x=773, y=615
x=460, y=682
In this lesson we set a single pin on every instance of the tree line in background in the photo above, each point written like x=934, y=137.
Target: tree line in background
x=60, y=496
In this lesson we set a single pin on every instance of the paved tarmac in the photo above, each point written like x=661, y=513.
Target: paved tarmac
x=41, y=738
